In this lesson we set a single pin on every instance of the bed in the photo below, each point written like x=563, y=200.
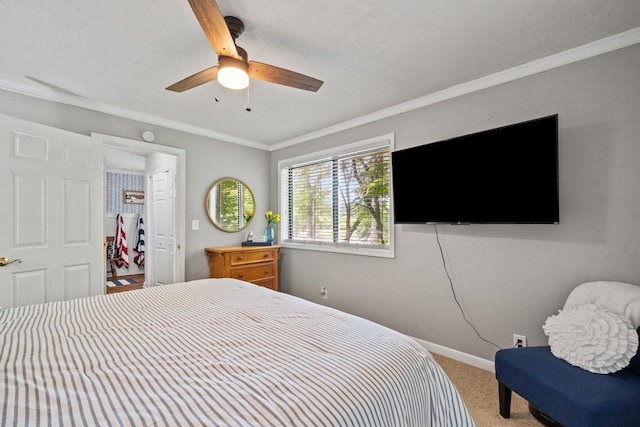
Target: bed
x=215, y=352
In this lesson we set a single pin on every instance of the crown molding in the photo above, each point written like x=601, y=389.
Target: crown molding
x=586, y=51
x=82, y=102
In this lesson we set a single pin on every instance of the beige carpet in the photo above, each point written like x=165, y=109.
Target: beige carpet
x=479, y=390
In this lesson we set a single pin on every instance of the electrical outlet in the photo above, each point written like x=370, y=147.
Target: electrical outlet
x=323, y=292
x=519, y=340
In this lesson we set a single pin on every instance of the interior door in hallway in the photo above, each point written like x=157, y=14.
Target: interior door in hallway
x=51, y=210
x=163, y=240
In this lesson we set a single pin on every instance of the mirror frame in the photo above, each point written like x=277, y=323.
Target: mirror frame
x=211, y=215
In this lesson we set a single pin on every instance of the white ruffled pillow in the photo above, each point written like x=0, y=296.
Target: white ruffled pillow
x=592, y=338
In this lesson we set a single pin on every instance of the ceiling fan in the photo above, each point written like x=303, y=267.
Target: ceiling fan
x=234, y=70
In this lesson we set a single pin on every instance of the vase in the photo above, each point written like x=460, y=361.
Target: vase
x=269, y=234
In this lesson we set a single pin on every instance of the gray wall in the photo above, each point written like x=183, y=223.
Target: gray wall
x=206, y=161
x=509, y=278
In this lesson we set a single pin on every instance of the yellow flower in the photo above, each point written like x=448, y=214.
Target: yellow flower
x=271, y=218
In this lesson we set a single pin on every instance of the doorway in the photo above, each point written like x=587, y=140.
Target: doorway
x=165, y=218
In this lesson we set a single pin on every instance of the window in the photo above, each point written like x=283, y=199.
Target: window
x=339, y=200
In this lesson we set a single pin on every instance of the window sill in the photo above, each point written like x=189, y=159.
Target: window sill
x=343, y=249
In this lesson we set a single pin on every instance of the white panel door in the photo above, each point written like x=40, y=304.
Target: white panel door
x=163, y=240
x=51, y=209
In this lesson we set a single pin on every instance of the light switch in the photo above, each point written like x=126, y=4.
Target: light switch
x=195, y=224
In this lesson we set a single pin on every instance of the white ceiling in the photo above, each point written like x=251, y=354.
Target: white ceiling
x=118, y=56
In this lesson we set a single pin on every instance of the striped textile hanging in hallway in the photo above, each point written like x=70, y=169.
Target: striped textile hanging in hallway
x=122, y=251
x=139, y=248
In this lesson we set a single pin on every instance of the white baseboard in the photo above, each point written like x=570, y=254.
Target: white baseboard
x=469, y=359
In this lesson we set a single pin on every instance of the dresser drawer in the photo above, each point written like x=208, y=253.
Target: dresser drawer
x=255, y=272
x=240, y=258
x=267, y=283
x=257, y=265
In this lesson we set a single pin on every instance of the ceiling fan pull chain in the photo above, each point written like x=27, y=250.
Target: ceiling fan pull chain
x=217, y=92
x=248, y=103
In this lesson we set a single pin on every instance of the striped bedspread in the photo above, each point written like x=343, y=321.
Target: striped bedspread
x=214, y=352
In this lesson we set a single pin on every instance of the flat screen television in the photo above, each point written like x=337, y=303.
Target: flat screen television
x=507, y=175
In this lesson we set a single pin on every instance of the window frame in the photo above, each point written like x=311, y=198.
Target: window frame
x=354, y=249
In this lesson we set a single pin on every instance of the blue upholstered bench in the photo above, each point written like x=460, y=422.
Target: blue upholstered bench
x=568, y=394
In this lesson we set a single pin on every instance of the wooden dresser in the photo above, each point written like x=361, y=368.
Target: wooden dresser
x=255, y=264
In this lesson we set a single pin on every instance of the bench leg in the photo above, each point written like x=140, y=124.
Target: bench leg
x=112, y=263
x=504, y=395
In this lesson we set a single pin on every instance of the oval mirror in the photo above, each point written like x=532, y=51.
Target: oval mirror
x=230, y=204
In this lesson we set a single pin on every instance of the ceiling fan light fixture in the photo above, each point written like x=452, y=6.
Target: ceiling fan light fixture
x=222, y=32
x=232, y=73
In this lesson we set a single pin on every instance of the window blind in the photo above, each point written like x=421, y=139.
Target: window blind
x=341, y=200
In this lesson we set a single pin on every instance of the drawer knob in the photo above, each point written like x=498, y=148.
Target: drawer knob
x=265, y=255
x=266, y=272
x=240, y=276
x=240, y=257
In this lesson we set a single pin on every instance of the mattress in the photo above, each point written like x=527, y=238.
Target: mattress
x=215, y=352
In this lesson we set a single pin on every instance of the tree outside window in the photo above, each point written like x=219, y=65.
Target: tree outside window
x=341, y=200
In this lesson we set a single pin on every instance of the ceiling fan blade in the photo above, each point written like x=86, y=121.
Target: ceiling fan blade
x=273, y=74
x=214, y=27
x=197, y=79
